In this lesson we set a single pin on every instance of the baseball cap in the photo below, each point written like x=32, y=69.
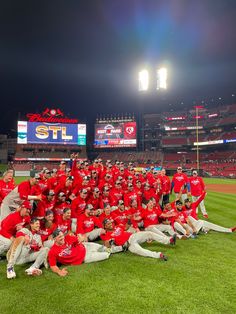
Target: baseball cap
x=68, y=170
x=117, y=162
x=179, y=168
x=54, y=170
x=48, y=212
x=61, y=194
x=106, y=220
x=47, y=171
x=51, y=193
x=71, y=178
x=56, y=232
x=130, y=185
x=194, y=172
x=121, y=202
x=178, y=203
x=84, y=191
x=96, y=190
x=186, y=200
x=86, y=178
x=63, y=162
x=26, y=204
x=130, y=177
x=35, y=175
x=89, y=207
x=106, y=188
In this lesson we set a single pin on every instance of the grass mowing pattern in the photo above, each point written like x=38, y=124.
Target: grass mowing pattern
x=199, y=277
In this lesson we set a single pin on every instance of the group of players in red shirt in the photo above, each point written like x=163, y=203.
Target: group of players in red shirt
x=55, y=216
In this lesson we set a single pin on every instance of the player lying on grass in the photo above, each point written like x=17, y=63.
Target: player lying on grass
x=27, y=247
x=132, y=241
x=72, y=250
x=202, y=225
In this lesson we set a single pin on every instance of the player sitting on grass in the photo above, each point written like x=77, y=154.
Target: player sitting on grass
x=27, y=247
x=202, y=225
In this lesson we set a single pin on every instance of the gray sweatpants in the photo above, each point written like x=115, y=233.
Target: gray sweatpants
x=5, y=244
x=199, y=224
x=95, y=252
x=23, y=255
x=94, y=234
x=160, y=228
x=143, y=236
x=201, y=205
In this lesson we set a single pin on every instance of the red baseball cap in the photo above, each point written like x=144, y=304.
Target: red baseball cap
x=26, y=204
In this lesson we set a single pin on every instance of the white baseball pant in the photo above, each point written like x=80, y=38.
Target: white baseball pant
x=143, y=236
x=160, y=228
x=201, y=205
x=5, y=244
x=199, y=224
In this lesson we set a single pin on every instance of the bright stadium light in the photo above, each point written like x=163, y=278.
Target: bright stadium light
x=162, y=78
x=143, y=79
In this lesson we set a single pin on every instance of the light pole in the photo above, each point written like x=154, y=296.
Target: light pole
x=197, y=146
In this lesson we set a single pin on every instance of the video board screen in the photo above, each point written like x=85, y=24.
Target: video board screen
x=51, y=133
x=117, y=134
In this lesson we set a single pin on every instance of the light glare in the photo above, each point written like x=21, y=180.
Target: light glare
x=143, y=80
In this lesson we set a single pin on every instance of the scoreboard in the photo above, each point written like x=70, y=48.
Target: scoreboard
x=51, y=133
x=115, y=134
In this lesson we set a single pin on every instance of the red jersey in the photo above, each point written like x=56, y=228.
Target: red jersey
x=87, y=224
x=77, y=207
x=63, y=224
x=197, y=186
x=121, y=217
x=117, y=234
x=45, y=232
x=5, y=188
x=116, y=195
x=70, y=253
x=150, y=217
x=12, y=223
x=129, y=196
x=41, y=208
x=180, y=181
x=182, y=216
x=192, y=211
x=166, y=186
x=136, y=216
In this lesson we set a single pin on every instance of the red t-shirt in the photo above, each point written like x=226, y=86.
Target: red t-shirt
x=70, y=253
x=13, y=223
x=86, y=224
x=117, y=234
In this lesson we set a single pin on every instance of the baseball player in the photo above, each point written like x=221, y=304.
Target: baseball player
x=197, y=188
x=69, y=250
x=13, y=223
x=20, y=193
x=132, y=241
x=87, y=223
x=180, y=184
x=27, y=247
x=7, y=184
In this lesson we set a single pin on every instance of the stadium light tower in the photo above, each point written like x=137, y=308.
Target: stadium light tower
x=162, y=78
x=143, y=79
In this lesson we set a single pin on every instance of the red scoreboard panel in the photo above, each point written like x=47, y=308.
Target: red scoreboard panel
x=115, y=134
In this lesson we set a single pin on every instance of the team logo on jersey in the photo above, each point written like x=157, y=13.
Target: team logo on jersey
x=66, y=251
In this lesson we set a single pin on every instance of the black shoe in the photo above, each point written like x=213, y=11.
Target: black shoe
x=125, y=246
x=163, y=257
x=173, y=239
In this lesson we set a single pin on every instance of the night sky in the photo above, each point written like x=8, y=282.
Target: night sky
x=84, y=56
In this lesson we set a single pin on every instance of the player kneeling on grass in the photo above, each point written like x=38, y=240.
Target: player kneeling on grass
x=132, y=241
x=69, y=250
x=202, y=225
x=27, y=247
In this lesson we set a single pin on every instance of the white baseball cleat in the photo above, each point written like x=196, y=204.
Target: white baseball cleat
x=32, y=271
x=11, y=273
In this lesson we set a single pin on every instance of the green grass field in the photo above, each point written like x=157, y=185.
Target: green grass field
x=199, y=277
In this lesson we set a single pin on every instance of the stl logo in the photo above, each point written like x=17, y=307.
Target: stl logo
x=130, y=130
